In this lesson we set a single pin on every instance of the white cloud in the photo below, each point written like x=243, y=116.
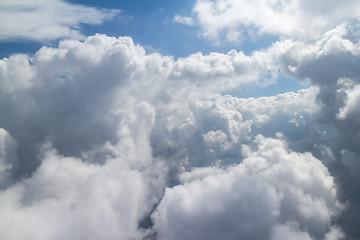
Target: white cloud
x=76, y=94
x=114, y=113
x=351, y=110
x=44, y=20
x=234, y=18
x=69, y=198
x=16, y=73
x=223, y=72
x=292, y=195
x=184, y=20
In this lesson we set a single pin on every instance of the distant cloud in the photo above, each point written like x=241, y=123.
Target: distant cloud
x=184, y=20
x=295, y=18
x=44, y=20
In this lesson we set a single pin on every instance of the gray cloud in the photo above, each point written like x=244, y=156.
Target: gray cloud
x=8, y=157
x=331, y=64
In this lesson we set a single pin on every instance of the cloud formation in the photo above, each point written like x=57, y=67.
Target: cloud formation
x=233, y=18
x=69, y=198
x=102, y=140
x=41, y=20
x=291, y=195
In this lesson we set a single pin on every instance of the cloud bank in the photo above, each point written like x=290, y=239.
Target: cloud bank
x=101, y=140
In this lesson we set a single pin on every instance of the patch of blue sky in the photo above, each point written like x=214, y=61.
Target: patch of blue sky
x=281, y=85
x=8, y=48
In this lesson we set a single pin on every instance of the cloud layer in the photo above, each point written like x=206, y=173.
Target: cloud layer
x=101, y=140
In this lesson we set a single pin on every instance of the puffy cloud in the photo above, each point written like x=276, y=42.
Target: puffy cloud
x=292, y=195
x=331, y=63
x=16, y=73
x=324, y=61
x=69, y=198
x=126, y=124
x=77, y=95
x=114, y=144
x=350, y=109
x=281, y=18
x=224, y=72
x=47, y=20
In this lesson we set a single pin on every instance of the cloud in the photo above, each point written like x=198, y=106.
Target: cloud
x=69, y=198
x=233, y=19
x=331, y=64
x=184, y=20
x=292, y=195
x=226, y=71
x=123, y=125
x=76, y=95
x=8, y=157
x=41, y=20
x=350, y=110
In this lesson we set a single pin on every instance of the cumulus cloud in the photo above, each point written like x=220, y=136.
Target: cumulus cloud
x=41, y=20
x=331, y=63
x=96, y=130
x=350, y=110
x=111, y=145
x=69, y=198
x=89, y=85
x=232, y=18
x=292, y=196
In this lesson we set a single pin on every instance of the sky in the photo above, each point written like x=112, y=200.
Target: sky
x=167, y=120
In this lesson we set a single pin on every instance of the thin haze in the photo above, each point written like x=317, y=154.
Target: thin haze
x=129, y=121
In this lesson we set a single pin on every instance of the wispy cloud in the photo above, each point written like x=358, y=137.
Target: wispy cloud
x=184, y=20
x=43, y=20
